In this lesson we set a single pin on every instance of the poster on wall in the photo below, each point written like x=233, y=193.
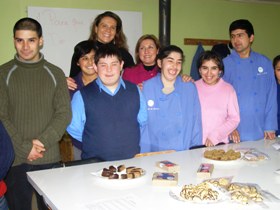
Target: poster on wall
x=63, y=28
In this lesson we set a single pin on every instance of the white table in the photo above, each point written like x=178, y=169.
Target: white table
x=75, y=188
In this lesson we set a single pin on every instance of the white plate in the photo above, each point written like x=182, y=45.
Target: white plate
x=118, y=183
x=175, y=194
x=277, y=171
x=224, y=162
x=99, y=175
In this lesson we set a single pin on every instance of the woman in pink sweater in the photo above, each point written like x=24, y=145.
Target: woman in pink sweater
x=219, y=106
x=146, y=51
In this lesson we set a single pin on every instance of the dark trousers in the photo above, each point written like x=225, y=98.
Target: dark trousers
x=19, y=190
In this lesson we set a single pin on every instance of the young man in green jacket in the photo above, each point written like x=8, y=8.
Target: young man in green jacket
x=35, y=110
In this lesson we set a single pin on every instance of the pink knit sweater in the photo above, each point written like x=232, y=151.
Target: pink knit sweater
x=219, y=109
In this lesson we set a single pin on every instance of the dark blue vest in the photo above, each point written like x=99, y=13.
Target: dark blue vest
x=111, y=130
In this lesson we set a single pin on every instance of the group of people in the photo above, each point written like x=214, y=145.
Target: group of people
x=117, y=109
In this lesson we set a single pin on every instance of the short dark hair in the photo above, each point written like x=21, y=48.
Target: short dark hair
x=80, y=50
x=242, y=24
x=276, y=60
x=210, y=55
x=28, y=24
x=164, y=52
x=107, y=50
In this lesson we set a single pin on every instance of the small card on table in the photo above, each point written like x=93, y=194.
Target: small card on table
x=168, y=166
x=165, y=179
x=205, y=170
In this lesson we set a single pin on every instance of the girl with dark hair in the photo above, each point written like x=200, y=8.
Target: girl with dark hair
x=82, y=67
x=218, y=100
x=83, y=73
x=174, y=117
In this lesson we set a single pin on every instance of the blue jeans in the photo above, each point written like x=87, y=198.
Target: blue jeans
x=3, y=203
x=19, y=190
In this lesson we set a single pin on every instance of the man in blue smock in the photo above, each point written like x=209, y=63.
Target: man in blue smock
x=252, y=76
x=108, y=112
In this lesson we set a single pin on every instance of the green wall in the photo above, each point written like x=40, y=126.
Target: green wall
x=208, y=19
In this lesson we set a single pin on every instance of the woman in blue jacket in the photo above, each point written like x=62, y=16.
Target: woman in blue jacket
x=174, y=115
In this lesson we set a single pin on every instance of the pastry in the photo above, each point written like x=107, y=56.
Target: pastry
x=121, y=168
x=123, y=176
x=112, y=169
x=128, y=169
x=106, y=173
x=121, y=172
x=114, y=176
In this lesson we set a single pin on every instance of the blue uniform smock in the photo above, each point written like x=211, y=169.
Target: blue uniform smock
x=174, y=120
x=254, y=82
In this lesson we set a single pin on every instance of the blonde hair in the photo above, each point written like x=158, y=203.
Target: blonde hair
x=140, y=40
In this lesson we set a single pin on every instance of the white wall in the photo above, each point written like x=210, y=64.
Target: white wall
x=63, y=28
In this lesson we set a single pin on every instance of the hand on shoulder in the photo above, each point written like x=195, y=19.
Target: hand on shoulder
x=71, y=83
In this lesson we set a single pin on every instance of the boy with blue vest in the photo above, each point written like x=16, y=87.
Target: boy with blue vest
x=108, y=112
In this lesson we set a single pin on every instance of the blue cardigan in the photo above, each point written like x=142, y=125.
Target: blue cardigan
x=6, y=152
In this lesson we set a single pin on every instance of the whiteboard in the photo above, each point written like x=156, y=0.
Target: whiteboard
x=63, y=28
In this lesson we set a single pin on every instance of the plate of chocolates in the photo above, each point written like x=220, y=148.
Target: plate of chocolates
x=120, y=172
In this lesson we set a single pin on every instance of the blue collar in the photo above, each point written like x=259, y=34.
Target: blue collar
x=104, y=88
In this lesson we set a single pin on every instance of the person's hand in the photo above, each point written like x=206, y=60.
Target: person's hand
x=270, y=135
x=38, y=145
x=34, y=154
x=234, y=136
x=140, y=85
x=187, y=78
x=208, y=143
x=71, y=83
x=37, y=150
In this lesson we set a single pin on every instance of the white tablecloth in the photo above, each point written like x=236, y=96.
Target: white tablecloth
x=75, y=188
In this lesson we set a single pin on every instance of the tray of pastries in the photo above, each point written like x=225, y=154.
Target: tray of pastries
x=222, y=155
x=120, y=172
x=119, y=176
x=200, y=193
